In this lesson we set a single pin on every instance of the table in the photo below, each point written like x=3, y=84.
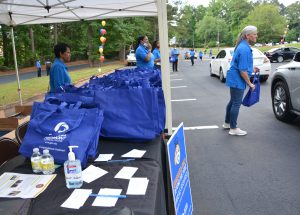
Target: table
x=152, y=166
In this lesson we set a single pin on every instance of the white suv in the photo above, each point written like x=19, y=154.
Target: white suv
x=131, y=60
x=285, y=90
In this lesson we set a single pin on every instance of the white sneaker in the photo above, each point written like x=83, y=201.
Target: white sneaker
x=237, y=132
x=226, y=125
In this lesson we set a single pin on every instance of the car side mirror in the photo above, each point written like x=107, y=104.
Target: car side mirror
x=297, y=57
x=213, y=57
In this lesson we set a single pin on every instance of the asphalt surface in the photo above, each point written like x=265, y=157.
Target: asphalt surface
x=257, y=174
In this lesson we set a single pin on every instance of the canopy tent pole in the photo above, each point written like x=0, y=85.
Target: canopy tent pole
x=165, y=66
x=16, y=63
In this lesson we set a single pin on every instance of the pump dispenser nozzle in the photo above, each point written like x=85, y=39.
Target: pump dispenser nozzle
x=71, y=154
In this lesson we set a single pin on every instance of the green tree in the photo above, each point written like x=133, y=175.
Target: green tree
x=293, y=16
x=267, y=19
x=209, y=28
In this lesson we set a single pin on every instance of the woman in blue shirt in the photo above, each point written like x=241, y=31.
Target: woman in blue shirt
x=144, y=57
x=156, y=53
x=238, y=76
x=192, y=56
x=59, y=76
x=175, y=55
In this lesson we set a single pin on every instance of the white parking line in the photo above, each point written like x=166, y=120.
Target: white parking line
x=178, y=87
x=199, y=127
x=176, y=79
x=182, y=100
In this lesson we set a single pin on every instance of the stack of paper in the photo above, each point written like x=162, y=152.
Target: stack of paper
x=137, y=186
x=126, y=172
x=92, y=173
x=77, y=198
x=135, y=153
x=104, y=157
x=106, y=197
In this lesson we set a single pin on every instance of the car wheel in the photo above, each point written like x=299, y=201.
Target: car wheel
x=281, y=102
x=279, y=59
x=221, y=75
x=210, y=71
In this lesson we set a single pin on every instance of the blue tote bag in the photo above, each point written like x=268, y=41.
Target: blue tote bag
x=129, y=114
x=57, y=127
x=252, y=96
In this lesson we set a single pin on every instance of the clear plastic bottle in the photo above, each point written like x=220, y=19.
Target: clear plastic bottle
x=36, y=161
x=73, y=171
x=47, y=162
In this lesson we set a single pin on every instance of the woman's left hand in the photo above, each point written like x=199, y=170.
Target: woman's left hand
x=256, y=69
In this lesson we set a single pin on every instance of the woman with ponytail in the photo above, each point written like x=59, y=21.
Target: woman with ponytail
x=241, y=69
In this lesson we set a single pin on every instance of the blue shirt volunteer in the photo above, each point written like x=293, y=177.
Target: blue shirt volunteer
x=59, y=75
x=174, y=54
x=141, y=54
x=242, y=61
x=156, y=53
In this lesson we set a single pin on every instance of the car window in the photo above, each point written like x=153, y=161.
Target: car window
x=286, y=49
x=273, y=50
x=221, y=54
x=297, y=57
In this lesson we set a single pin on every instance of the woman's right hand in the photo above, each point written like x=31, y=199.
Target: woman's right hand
x=252, y=86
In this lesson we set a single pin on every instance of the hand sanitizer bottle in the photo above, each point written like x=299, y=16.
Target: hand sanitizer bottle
x=73, y=172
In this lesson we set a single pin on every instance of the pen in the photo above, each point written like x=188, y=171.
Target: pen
x=124, y=160
x=109, y=196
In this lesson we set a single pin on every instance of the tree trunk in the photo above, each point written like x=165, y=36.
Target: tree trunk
x=55, y=34
x=5, y=45
x=90, y=45
x=31, y=36
x=122, y=53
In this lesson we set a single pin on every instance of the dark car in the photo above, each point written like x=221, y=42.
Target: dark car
x=281, y=54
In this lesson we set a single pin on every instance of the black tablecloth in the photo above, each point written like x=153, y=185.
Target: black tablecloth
x=152, y=166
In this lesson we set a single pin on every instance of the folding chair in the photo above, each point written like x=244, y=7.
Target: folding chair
x=8, y=149
x=20, y=132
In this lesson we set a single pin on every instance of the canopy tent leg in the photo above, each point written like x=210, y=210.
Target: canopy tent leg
x=16, y=63
x=165, y=66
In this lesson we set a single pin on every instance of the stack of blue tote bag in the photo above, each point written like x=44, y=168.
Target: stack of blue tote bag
x=57, y=125
x=132, y=101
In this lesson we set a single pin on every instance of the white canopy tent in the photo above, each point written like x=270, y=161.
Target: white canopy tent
x=25, y=12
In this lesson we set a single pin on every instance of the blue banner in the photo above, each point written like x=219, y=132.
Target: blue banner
x=179, y=172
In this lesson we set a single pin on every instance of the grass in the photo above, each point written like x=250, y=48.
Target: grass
x=37, y=86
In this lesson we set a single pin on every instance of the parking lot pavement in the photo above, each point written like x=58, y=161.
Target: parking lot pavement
x=253, y=175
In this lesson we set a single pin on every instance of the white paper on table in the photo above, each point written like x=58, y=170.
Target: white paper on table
x=134, y=153
x=104, y=157
x=92, y=173
x=107, y=201
x=137, y=186
x=77, y=198
x=16, y=185
x=126, y=172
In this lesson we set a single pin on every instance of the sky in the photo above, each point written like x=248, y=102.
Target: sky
x=206, y=2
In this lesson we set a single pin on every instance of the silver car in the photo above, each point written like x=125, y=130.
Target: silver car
x=285, y=90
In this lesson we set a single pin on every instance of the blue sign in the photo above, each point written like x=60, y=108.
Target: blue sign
x=179, y=172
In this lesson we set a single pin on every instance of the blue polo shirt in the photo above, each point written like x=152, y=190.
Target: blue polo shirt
x=156, y=53
x=140, y=55
x=242, y=61
x=175, y=53
x=192, y=53
x=59, y=75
